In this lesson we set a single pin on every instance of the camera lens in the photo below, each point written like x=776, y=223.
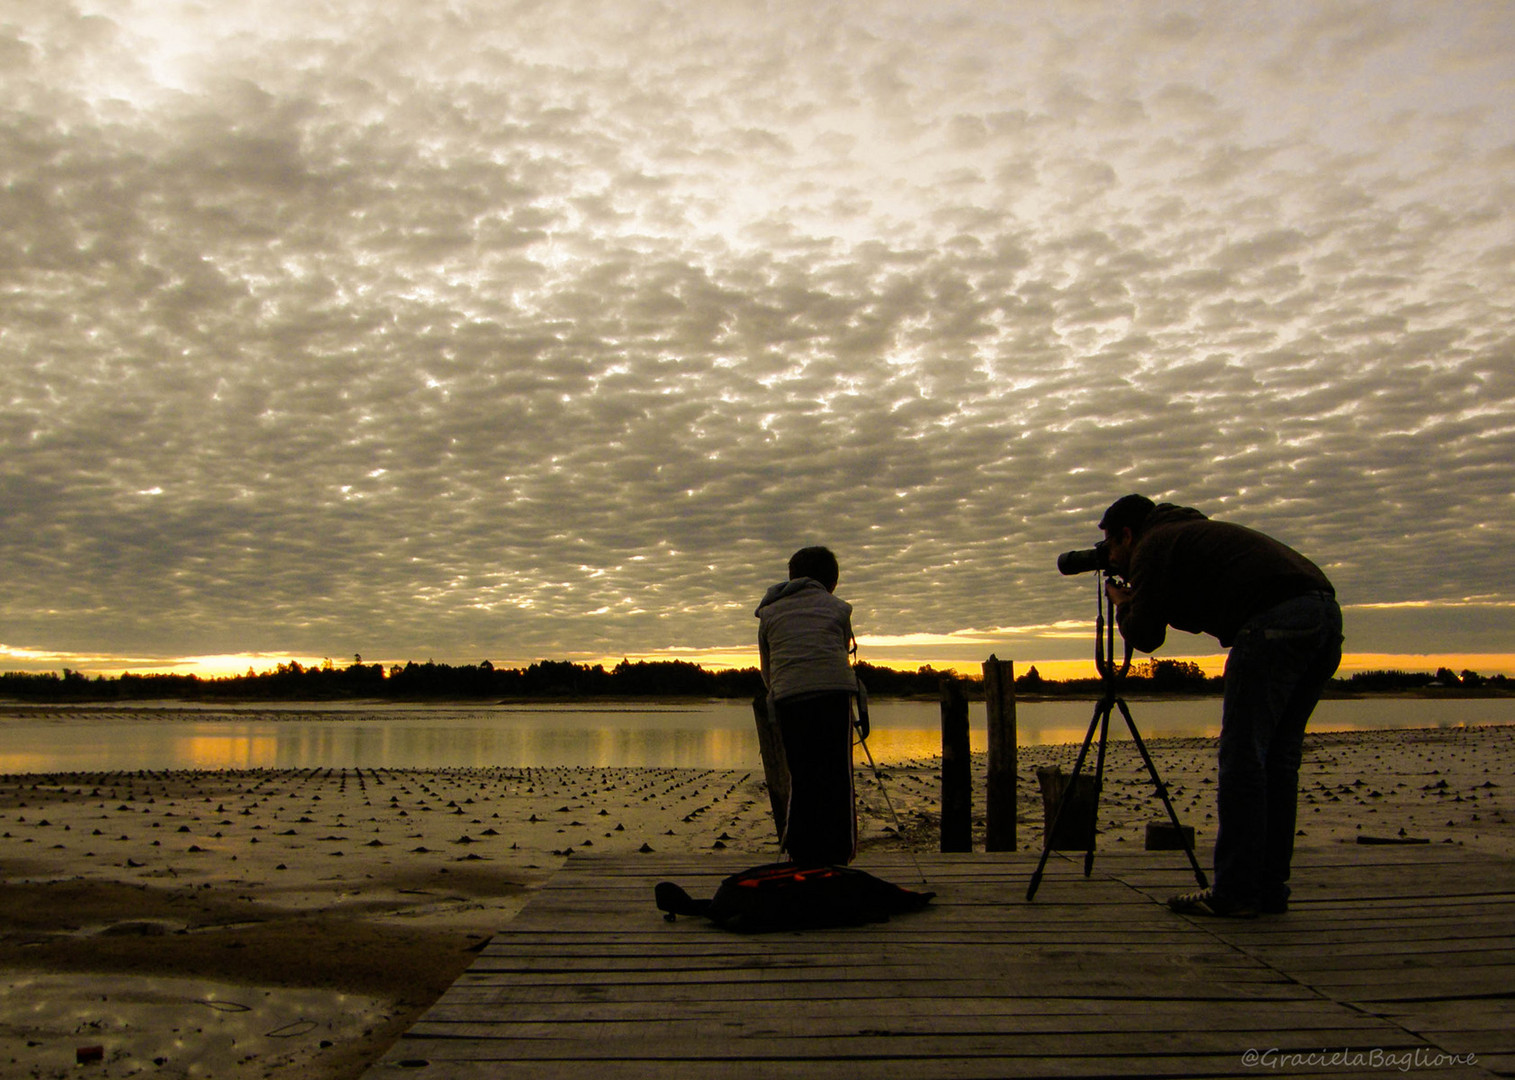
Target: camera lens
x=1084, y=562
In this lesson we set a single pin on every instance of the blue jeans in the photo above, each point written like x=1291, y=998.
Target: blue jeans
x=1279, y=664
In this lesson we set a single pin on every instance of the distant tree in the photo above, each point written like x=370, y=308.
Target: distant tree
x=737, y=683
x=660, y=677
x=1176, y=675
x=924, y=681
x=1389, y=680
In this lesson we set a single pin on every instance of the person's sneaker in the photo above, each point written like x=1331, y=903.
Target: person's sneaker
x=1278, y=905
x=1205, y=902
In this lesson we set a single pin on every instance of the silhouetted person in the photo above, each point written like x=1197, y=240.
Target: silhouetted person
x=804, y=634
x=1277, y=613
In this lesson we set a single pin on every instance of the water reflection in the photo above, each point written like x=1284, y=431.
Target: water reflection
x=25, y=763
x=242, y=750
x=708, y=735
x=913, y=744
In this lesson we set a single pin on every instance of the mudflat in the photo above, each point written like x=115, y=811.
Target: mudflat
x=258, y=923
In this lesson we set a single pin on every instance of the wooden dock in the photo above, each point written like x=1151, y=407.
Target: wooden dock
x=1392, y=960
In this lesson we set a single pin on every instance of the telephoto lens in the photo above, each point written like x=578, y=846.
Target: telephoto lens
x=1086, y=561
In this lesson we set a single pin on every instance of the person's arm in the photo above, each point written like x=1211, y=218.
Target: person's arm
x=1140, y=611
x=763, y=654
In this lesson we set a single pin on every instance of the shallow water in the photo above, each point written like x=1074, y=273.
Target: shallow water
x=713, y=734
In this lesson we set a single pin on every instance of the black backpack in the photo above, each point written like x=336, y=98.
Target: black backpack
x=784, y=896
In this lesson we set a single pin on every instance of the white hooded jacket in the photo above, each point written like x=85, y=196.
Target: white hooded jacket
x=804, y=633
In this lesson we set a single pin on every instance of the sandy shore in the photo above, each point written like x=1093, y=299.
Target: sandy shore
x=280, y=923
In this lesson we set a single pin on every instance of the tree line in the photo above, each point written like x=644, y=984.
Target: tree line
x=562, y=679
x=1187, y=677
x=432, y=681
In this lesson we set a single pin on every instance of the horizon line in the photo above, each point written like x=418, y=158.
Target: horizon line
x=239, y=664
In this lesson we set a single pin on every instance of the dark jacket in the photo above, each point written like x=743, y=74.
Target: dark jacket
x=1207, y=577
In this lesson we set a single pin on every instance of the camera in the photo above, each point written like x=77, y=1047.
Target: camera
x=1086, y=561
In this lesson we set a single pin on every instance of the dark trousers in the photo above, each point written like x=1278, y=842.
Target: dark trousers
x=821, y=826
x=1279, y=664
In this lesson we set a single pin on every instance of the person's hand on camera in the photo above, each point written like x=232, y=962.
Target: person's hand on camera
x=1120, y=594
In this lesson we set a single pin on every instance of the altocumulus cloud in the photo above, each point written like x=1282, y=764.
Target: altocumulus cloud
x=550, y=329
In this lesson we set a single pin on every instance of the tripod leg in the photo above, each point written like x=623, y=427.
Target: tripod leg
x=1099, y=783
x=1101, y=710
x=1162, y=791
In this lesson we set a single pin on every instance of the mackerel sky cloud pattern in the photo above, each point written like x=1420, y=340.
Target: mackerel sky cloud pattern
x=526, y=330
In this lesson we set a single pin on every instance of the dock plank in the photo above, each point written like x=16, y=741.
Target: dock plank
x=1406, y=955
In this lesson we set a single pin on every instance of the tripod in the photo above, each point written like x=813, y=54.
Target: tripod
x=1110, y=677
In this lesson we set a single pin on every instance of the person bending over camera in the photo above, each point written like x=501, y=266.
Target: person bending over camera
x=1277, y=613
x=804, y=634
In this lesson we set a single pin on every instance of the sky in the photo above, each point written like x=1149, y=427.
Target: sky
x=548, y=330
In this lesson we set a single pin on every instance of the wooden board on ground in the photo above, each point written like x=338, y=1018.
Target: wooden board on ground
x=1390, y=960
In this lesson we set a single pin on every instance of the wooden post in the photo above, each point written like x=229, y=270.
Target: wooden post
x=1075, y=830
x=957, y=772
x=999, y=700
x=775, y=764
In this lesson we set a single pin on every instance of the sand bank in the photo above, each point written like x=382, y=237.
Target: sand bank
x=277, y=923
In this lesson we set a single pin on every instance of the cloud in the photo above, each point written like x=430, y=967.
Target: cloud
x=531, y=330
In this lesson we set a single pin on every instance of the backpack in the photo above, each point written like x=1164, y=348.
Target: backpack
x=785, y=896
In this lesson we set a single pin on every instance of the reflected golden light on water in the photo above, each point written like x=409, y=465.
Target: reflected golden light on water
x=21, y=763
x=908, y=744
x=712, y=748
x=716, y=735
x=231, y=751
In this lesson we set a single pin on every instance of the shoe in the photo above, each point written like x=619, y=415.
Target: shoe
x=1274, y=907
x=1205, y=902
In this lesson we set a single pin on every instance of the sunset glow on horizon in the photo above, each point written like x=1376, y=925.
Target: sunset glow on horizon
x=216, y=667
